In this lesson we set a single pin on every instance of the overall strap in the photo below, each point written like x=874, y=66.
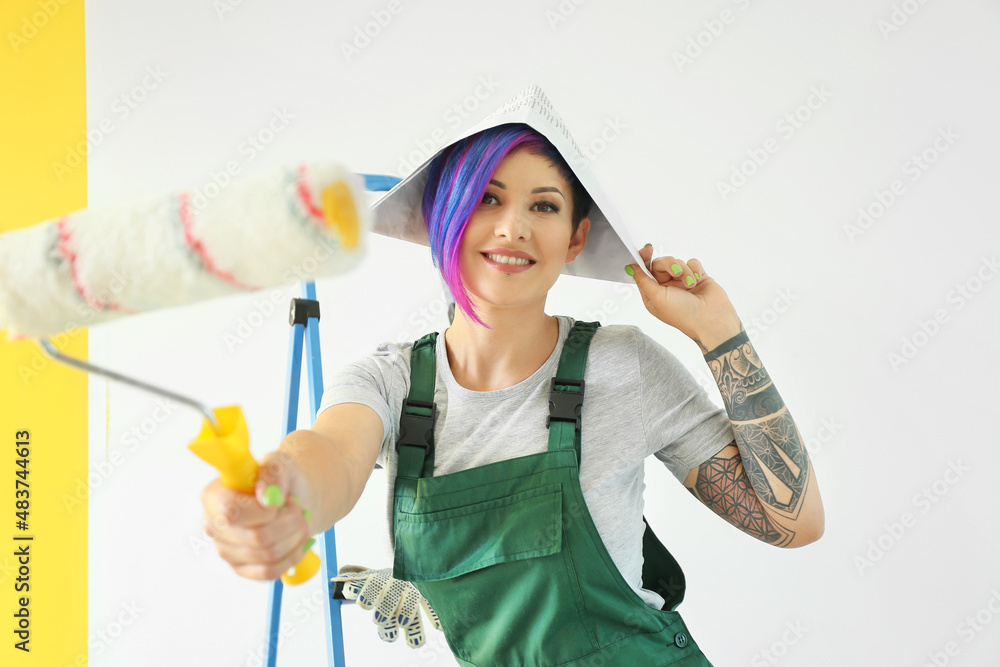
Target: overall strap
x=566, y=393
x=416, y=422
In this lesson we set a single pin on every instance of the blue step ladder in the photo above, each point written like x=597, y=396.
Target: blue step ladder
x=304, y=320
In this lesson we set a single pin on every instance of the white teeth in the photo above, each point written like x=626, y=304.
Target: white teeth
x=504, y=259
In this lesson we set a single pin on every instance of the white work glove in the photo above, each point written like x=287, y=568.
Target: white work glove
x=396, y=602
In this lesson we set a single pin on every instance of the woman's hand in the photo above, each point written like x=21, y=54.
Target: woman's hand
x=261, y=536
x=685, y=297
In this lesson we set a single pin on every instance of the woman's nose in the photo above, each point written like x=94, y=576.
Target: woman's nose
x=513, y=224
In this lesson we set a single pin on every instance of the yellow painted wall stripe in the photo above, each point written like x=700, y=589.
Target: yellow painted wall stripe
x=43, y=114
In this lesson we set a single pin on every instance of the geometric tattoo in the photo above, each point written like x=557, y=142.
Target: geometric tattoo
x=724, y=488
x=775, y=464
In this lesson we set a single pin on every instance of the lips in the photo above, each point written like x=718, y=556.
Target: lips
x=508, y=261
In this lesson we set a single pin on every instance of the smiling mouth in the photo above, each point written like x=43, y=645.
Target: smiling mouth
x=506, y=259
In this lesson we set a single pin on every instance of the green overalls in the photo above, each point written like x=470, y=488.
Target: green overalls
x=508, y=555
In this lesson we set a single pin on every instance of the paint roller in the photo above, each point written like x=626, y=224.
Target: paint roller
x=95, y=265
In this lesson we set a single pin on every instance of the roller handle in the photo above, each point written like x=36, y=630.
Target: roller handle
x=228, y=449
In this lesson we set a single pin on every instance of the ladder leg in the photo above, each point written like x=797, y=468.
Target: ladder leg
x=292, y=380
x=328, y=542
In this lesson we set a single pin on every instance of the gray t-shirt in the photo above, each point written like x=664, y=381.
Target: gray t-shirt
x=640, y=401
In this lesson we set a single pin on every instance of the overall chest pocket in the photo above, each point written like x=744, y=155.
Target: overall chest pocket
x=497, y=574
x=442, y=544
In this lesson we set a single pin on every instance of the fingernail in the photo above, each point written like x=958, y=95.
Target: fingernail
x=272, y=496
x=676, y=268
x=629, y=270
x=689, y=280
x=697, y=277
x=647, y=245
x=312, y=541
x=307, y=514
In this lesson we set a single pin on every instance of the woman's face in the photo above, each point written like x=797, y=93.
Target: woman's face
x=521, y=236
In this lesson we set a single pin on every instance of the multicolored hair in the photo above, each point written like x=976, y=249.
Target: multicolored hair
x=456, y=182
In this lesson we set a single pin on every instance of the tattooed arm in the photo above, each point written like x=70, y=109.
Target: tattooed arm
x=762, y=482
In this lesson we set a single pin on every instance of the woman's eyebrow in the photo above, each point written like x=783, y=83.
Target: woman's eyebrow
x=500, y=185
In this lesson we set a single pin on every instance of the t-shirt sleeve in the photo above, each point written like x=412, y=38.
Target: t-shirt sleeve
x=683, y=427
x=379, y=381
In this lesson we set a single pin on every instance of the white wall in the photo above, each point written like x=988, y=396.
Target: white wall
x=830, y=305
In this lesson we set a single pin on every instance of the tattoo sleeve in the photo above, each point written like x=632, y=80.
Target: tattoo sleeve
x=768, y=478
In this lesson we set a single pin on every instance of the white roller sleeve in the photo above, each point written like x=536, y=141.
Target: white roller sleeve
x=92, y=266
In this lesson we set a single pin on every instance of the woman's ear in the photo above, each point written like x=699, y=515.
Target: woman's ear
x=578, y=241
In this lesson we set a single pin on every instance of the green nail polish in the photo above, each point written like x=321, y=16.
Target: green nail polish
x=307, y=514
x=689, y=280
x=676, y=268
x=629, y=270
x=312, y=541
x=697, y=277
x=272, y=496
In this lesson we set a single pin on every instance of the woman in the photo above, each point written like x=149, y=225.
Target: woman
x=525, y=536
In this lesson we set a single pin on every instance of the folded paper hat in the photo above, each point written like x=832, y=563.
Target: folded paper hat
x=609, y=247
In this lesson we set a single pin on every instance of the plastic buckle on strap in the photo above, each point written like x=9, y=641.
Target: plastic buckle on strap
x=565, y=405
x=416, y=430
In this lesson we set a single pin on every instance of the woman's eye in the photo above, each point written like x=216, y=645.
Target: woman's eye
x=487, y=197
x=548, y=207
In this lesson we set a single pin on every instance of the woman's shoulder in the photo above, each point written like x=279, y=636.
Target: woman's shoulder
x=385, y=359
x=612, y=335
x=629, y=344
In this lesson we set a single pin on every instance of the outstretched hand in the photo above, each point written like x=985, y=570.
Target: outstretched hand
x=685, y=297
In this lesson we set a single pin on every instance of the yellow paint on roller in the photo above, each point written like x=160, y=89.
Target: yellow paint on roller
x=340, y=210
x=43, y=114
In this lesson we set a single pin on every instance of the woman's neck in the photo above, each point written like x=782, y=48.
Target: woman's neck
x=515, y=346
